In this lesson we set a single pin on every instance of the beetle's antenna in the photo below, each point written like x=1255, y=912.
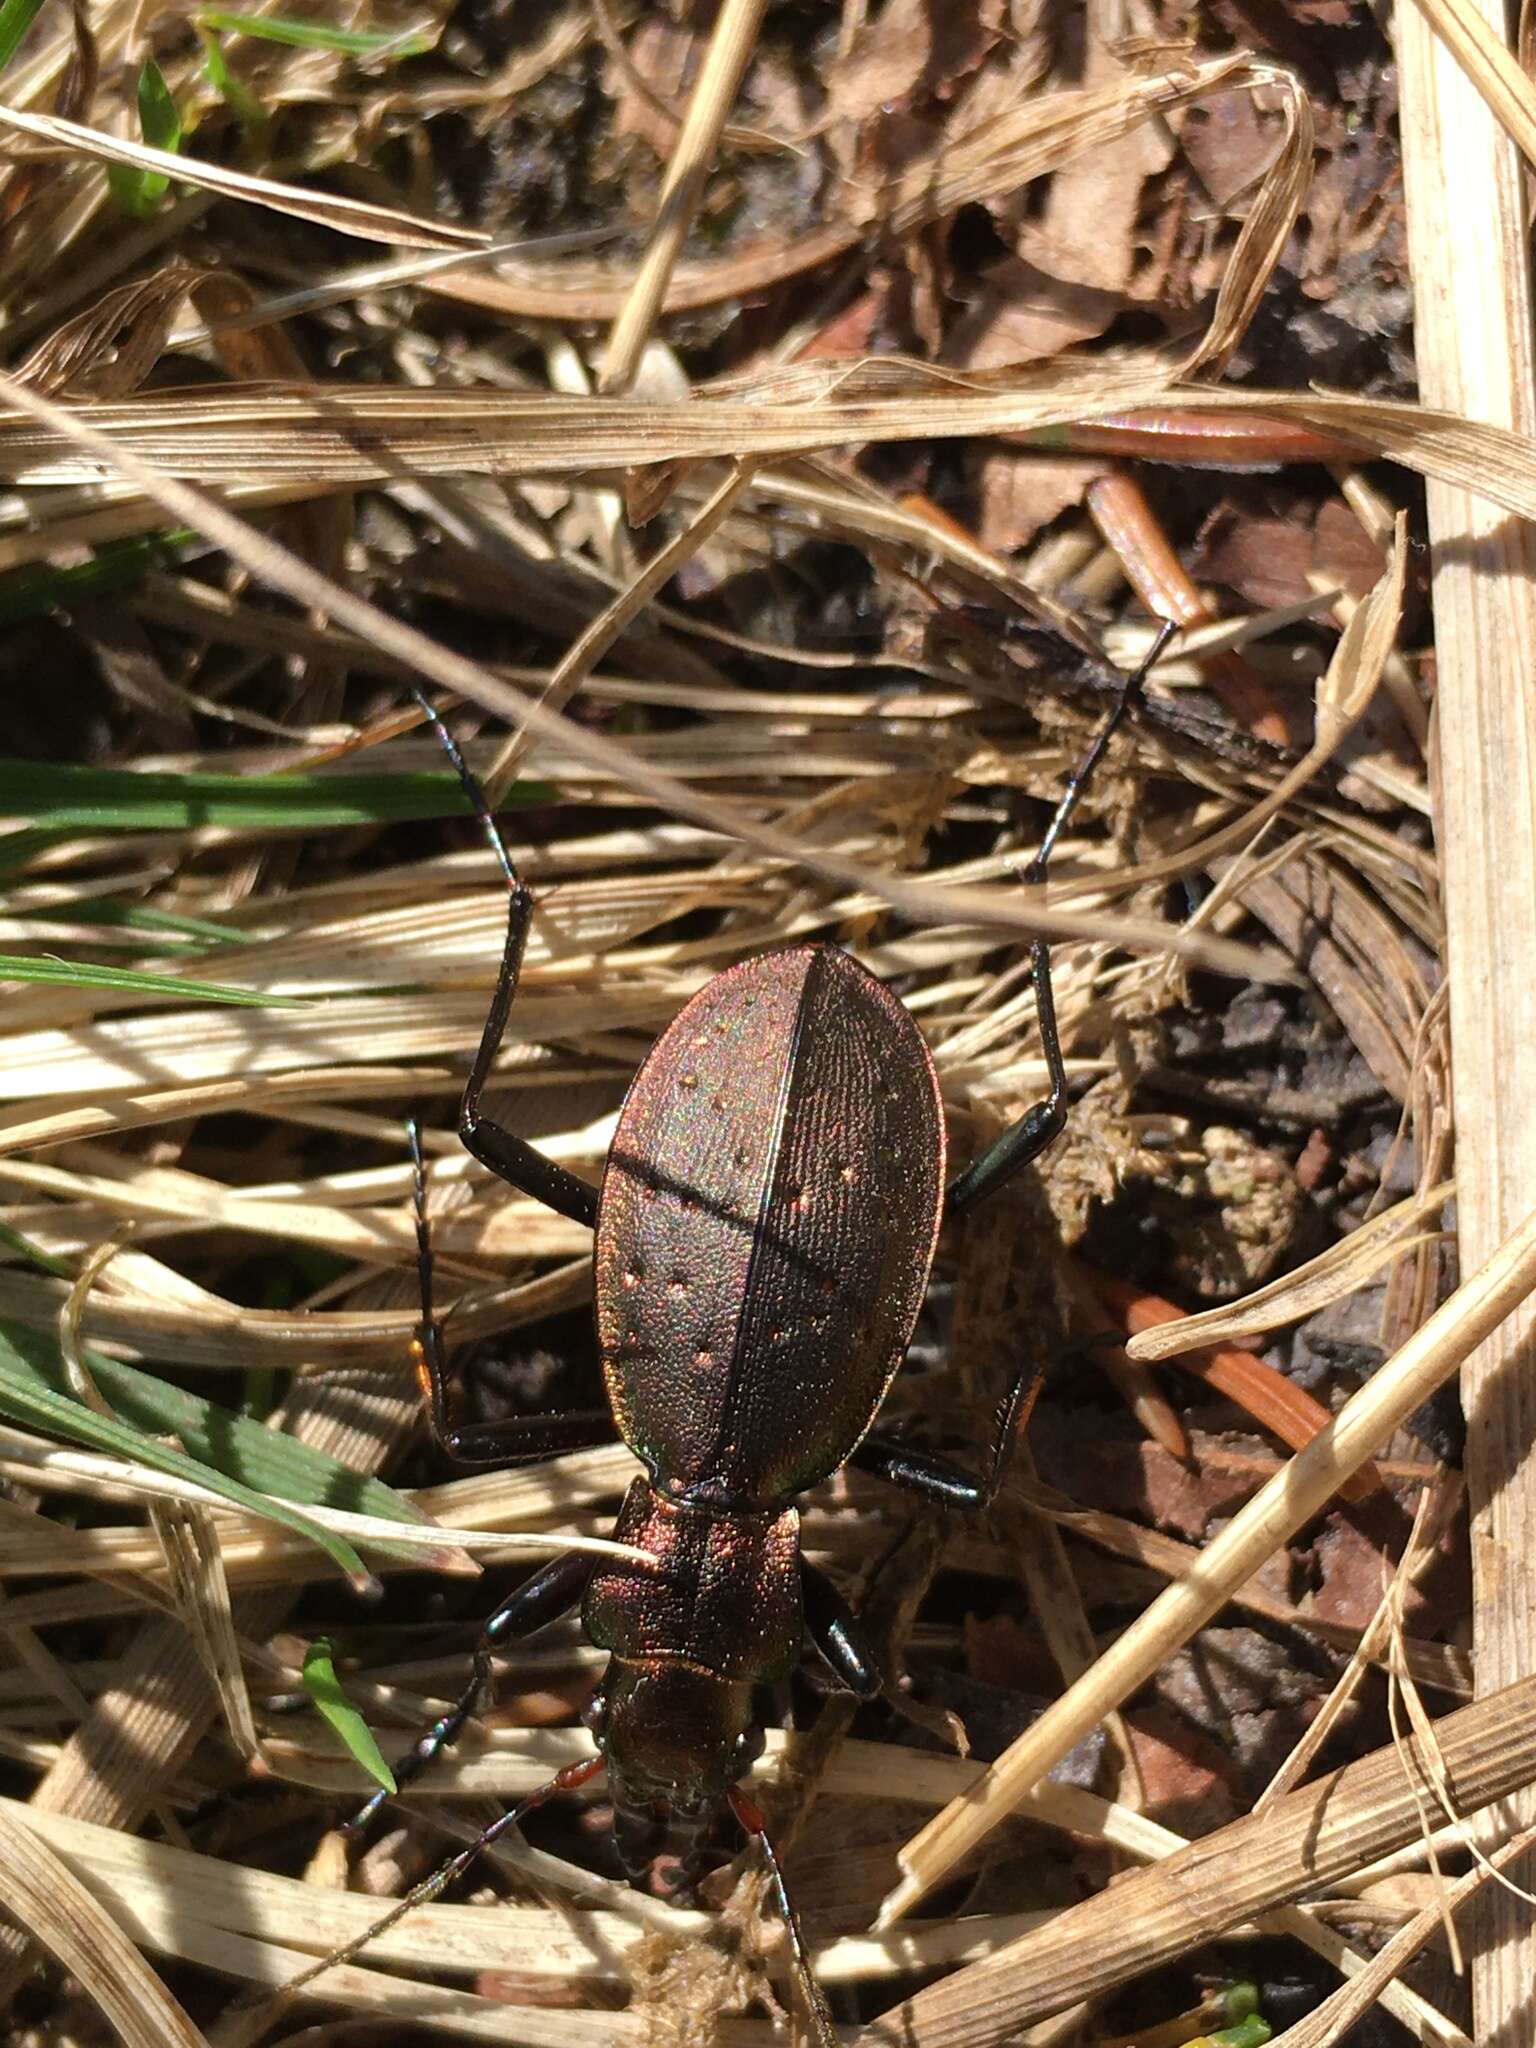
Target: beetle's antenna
x=1077, y=781
x=750, y=1815
x=471, y=786
x=438, y=1880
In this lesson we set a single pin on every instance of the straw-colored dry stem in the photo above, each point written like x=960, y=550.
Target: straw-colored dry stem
x=1311, y=1838
x=730, y=47
x=1468, y=230
x=1289, y=1500
x=51, y=1903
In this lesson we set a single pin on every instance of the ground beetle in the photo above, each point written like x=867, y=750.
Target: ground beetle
x=764, y=1231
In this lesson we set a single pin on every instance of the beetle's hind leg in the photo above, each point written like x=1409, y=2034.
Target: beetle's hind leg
x=513, y=1440
x=510, y=1158
x=936, y=1479
x=1043, y=1121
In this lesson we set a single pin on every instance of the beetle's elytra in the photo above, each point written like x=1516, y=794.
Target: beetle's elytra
x=766, y=1225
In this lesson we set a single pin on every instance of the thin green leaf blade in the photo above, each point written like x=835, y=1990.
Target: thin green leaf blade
x=136, y=981
x=140, y=191
x=27, y=1398
x=310, y=35
x=35, y=591
x=112, y=913
x=64, y=796
x=16, y=17
x=337, y=1711
x=234, y=92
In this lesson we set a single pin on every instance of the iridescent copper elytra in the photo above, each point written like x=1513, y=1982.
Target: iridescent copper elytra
x=764, y=1232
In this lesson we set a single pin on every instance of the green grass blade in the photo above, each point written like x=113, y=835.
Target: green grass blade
x=133, y=981
x=65, y=797
x=308, y=35
x=337, y=1711
x=34, y=592
x=113, y=914
x=266, y=1460
x=16, y=17
x=140, y=191
x=234, y=92
x=31, y=1394
x=46, y=1262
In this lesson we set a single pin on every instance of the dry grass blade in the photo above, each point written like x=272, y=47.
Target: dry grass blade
x=1285, y=1504
x=199, y=1585
x=277, y=567
x=1313, y=1836
x=24, y=1130
x=45, y=1464
x=1351, y=1263
x=730, y=48
x=588, y=649
x=51, y=1903
x=1351, y=2002
x=1267, y=226
x=274, y=434
x=1490, y=64
x=326, y=209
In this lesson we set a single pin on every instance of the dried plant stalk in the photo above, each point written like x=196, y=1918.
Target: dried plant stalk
x=730, y=47
x=1312, y=1837
x=1281, y=1507
x=353, y=433
x=50, y=1901
x=1468, y=238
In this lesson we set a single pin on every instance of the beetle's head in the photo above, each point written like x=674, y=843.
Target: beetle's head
x=675, y=1740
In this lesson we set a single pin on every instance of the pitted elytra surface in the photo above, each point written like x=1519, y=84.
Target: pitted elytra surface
x=762, y=1249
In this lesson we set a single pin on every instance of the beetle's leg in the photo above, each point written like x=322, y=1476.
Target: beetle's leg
x=1040, y=1124
x=1043, y=1121
x=514, y=1440
x=749, y=1816
x=831, y=1626
x=566, y=1780
x=543, y=1598
x=510, y=1158
x=941, y=1482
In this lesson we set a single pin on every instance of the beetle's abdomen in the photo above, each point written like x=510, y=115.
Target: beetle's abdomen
x=766, y=1224
x=724, y=1597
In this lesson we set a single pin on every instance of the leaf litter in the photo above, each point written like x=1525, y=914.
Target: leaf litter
x=957, y=285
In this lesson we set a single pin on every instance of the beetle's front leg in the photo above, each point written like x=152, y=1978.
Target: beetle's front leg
x=832, y=1627
x=1044, y=1121
x=543, y=1598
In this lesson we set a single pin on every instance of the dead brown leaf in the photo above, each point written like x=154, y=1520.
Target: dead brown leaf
x=1022, y=314
x=1020, y=493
